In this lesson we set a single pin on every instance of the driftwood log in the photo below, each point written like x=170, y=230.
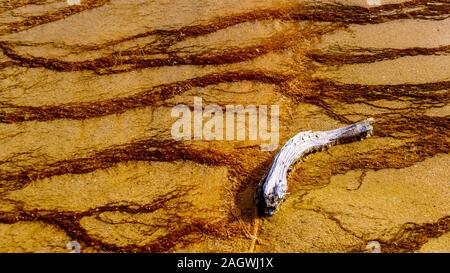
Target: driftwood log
x=273, y=187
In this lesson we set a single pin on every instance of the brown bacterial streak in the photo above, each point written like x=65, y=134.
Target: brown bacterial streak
x=320, y=89
x=69, y=221
x=412, y=236
x=324, y=12
x=352, y=93
x=374, y=55
x=52, y=16
x=80, y=111
x=145, y=150
x=140, y=58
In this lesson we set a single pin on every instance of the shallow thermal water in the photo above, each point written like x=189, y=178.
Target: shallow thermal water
x=87, y=155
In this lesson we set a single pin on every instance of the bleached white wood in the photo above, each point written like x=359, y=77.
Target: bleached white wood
x=273, y=187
